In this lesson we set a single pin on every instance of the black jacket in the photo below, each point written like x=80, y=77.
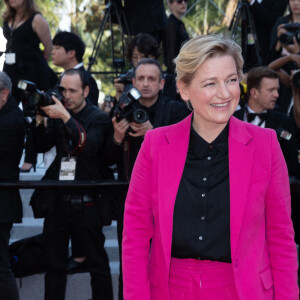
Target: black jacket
x=175, y=35
x=265, y=15
x=12, y=131
x=94, y=91
x=277, y=120
x=92, y=123
x=146, y=16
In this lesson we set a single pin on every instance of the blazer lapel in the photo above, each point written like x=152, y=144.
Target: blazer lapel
x=240, y=165
x=171, y=161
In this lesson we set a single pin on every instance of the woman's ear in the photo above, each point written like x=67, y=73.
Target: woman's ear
x=183, y=90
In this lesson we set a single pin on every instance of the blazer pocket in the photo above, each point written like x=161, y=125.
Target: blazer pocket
x=153, y=274
x=266, y=278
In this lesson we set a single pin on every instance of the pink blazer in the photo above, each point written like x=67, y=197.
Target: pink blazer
x=263, y=251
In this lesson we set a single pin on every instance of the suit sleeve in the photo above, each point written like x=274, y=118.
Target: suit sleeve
x=89, y=140
x=279, y=228
x=171, y=45
x=138, y=228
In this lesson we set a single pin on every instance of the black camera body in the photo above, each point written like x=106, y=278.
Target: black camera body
x=293, y=30
x=126, y=78
x=33, y=98
x=127, y=108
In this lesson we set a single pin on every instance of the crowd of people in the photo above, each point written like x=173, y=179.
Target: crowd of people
x=208, y=198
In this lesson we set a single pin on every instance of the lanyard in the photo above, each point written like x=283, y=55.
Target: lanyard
x=11, y=32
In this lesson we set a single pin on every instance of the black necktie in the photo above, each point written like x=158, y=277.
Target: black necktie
x=251, y=116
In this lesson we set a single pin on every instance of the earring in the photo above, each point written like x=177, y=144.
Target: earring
x=189, y=105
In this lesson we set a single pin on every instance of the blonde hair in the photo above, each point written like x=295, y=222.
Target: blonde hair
x=10, y=13
x=197, y=50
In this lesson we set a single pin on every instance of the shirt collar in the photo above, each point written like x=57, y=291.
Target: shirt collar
x=201, y=148
x=250, y=110
x=78, y=66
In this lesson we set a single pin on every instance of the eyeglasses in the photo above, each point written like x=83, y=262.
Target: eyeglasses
x=180, y=1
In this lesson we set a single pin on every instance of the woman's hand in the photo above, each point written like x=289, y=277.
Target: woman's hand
x=119, y=88
x=292, y=48
x=280, y=31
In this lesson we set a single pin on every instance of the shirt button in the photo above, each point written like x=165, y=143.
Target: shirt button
x=203, y=218
x=210, y=146
x=204, y=178
x=203, y=195
x=208, y=158
x=200, y=237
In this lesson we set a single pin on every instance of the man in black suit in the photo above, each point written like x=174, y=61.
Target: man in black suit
x=68, y=50
x=12, y=130
x=262, y=94
x=265, y=13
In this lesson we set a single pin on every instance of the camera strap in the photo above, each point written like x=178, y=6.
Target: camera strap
x=126, y=153
x=81, y=140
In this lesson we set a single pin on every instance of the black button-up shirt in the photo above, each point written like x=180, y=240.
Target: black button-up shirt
x=201, y=221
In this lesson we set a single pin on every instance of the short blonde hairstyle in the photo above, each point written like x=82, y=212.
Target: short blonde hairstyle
x=197, y=50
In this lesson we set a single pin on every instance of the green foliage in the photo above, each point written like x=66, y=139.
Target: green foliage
x=88, y=22
x=87, y=17
x=205, y=17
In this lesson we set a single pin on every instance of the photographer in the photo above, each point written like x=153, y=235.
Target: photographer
x=262, y=94
x=128, y=135
x=277, y=46
x=142, y=46
x=78, y=130
x=11, y=145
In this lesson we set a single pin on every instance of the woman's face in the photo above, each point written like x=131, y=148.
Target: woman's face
x=214, y=92
x=178, y=8
x=137, y=56
x=16, y=3
x=294, y=6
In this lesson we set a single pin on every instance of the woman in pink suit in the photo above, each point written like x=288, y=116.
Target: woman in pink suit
x=207, y=215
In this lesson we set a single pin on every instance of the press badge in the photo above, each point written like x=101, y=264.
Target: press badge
x=10, y=58
x=67, y=168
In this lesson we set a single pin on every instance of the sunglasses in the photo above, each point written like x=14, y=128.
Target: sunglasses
x=180, y=1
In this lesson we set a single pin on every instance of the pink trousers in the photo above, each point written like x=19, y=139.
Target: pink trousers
x=192, y=279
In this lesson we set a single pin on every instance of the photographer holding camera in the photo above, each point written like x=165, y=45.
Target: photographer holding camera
x=285, y=25
x=128, y=135
x=78, y=130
